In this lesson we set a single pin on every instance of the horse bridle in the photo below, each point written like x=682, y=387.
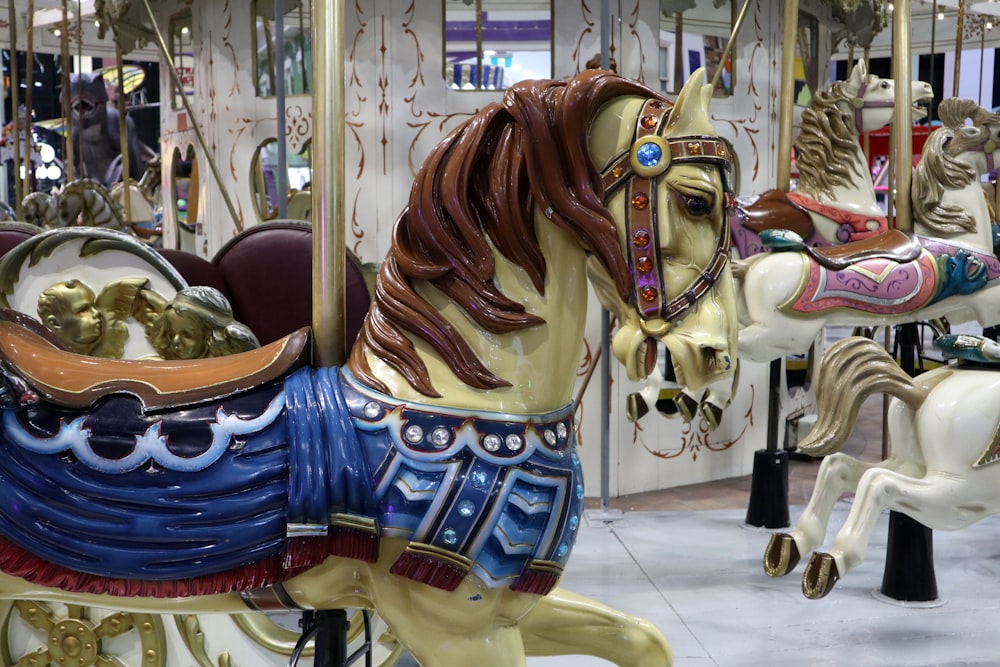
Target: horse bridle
x=860, y=104
x=638, y=169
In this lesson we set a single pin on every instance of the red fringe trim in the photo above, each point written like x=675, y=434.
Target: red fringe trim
x=300, y=554
x=353, y=543
x=427, y=569
x=536, y=582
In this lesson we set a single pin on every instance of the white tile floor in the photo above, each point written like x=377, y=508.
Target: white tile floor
x=698, y=577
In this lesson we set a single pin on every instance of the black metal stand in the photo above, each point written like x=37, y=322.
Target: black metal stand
x=768, y=505
x=329, y=630
x=909, y=557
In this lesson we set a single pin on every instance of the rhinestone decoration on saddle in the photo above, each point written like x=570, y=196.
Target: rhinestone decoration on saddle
x=500, y=492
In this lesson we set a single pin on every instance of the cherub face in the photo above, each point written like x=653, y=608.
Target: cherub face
x=80, y=323
x=183, y=337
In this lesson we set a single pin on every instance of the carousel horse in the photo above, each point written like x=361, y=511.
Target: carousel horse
x=947, y=268
x=87, y=203
x=434, y=476
x=144, y=198
x=834, y=201
x=41, y=209
x=942, y=471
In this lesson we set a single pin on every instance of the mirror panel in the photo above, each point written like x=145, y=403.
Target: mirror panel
x=182, y=48
x=693, y=34
x=493, y=44
x=296, y=62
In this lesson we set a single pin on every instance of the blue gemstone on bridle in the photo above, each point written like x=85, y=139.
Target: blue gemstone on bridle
x=649, y=154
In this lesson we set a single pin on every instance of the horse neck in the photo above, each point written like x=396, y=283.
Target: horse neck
x=540, y=362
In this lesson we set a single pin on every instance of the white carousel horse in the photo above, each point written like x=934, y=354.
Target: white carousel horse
x=144, y=198
x=41, y=209
x=943, y=470
x=787, y=297
x=88, y=203
x=434, y=477
x=834, y=201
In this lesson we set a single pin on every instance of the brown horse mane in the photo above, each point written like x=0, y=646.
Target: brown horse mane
x=479, y=190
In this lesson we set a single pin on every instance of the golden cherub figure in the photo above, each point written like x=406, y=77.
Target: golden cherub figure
x=71, y=310
x=199, y=323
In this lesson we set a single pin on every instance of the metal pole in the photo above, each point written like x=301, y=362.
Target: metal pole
x=902, y=126
x=787, y=99
x=281, y=177
x=29, y=91
x=15, y=102
x=123, y=132
x=175, y=78
x=959, y=29
x=66, y=95
x=605, y=317
x=328, y=297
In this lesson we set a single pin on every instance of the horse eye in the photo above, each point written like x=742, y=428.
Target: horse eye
x=885, y=84
x=696, y=206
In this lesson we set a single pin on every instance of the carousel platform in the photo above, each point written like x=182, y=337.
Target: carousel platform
x=697, y=576
x=685, y=559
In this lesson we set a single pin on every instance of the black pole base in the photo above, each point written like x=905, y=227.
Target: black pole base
x=909, y=561
x=768, y=506
x=331, y=638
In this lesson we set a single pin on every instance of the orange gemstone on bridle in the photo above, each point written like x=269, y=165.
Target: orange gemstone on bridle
x=649, y=121
x=640, y=239
x=640, y=200
x=648, y=293
x=644, y=264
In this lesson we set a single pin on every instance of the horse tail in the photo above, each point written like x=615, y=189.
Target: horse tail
x=850, y=371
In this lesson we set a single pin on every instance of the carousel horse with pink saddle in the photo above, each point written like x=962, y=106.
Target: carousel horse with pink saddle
x=946, y=268
x=834, y=200
x=435, y=476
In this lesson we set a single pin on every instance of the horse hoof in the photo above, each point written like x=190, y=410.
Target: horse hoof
x=635, y=407
x=781, y=555
x=711, y=414
x=820, y=576
x=686, y=406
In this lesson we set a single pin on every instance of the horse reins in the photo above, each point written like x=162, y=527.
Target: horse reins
x=639, y=169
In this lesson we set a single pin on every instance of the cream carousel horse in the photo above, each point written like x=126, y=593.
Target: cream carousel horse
x=144, y=198
x=87, y=203
x=950, y=270
x=943, y=471
x=834, y=201
x=434, y=477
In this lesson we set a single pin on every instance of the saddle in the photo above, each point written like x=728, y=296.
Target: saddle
x=894, y=244
x=774, y=210
x=77, y=381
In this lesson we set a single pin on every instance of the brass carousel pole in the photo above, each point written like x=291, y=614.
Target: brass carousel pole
x=328, y=296
x=787, y=99
x=959, y=28
x=15, y=103
x=66, y=94
x=902, y=126
x=29, y=92
x=328, y=256
x=123, y=132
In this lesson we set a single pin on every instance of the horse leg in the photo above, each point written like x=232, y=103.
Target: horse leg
x=473, y=625
x=919, y=498
x=564, y=623
x=838, y=474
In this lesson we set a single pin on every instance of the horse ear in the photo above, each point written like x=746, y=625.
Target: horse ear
x=690, y=113
x=858, y=75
